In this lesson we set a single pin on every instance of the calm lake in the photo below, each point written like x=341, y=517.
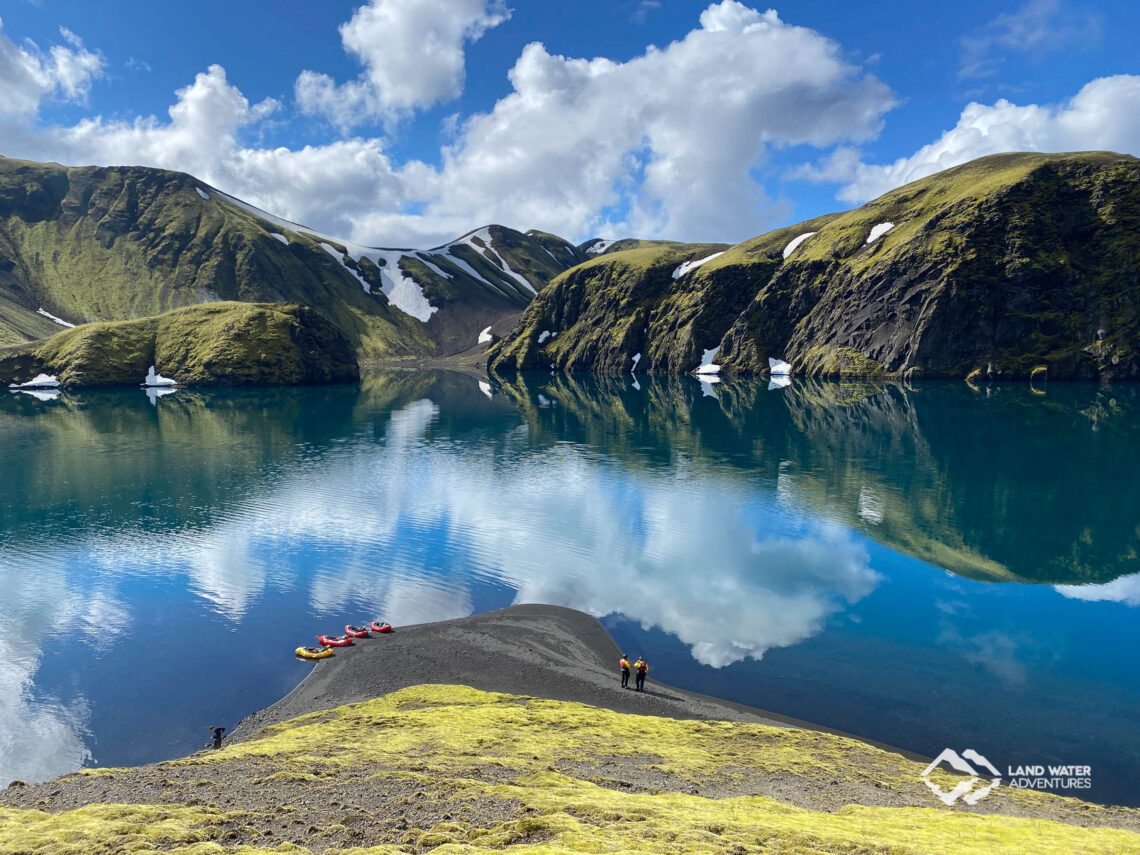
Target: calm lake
x=930, y=566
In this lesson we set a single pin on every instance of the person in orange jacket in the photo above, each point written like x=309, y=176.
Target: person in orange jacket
x=642, y=668
x=624, y=665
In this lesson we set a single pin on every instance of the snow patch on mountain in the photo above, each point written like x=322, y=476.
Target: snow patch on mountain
x=795, y=242
x=878, y=231
x=693, y=265
x=52, y=317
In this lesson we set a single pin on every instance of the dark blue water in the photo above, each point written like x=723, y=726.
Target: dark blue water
x=930, y=567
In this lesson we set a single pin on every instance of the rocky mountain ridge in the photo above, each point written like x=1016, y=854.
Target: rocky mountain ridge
x=1012, y=266
x=89, y=244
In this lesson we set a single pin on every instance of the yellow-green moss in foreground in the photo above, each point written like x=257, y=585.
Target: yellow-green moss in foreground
x=464, y=745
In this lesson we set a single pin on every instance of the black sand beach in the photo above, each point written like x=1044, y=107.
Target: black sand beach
x=537, y=650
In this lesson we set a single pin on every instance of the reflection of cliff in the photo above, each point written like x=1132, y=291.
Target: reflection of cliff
x=112, y=459
x=973, y=481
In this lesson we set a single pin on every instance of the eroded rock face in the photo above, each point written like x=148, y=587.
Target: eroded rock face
x=218, y=344
x=1003, y=267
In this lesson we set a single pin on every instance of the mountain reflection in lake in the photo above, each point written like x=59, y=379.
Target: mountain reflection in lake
x=852, y=554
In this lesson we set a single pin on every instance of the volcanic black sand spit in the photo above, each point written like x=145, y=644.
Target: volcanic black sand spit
x=537, y=650
x=395, y=751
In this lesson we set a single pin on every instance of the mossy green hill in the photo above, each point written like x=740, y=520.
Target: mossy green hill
x=88, y=244
x=215, y=344
x=1010, y=266
x=454, y=770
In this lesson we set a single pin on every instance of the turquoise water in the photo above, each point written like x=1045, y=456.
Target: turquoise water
x=932, y=566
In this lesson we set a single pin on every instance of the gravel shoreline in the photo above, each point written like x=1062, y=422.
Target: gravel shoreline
x=537, y=650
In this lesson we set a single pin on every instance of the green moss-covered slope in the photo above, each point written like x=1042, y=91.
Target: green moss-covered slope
x=1009, y=266
x=454, y=770
x=92, y=244
x=214, y=344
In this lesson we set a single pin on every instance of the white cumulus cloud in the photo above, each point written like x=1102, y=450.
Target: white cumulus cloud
x=413, y=57
x=28, y=74
x=663, y=144
x=1104, y=115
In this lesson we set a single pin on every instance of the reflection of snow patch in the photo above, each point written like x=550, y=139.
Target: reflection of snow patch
x=52, y=317
x=708, y=382
x=707, y=366
x=870, y=506
x=681, y=270
x=794, y=243
x=779, y=382
x=485, y=336
x=878, y=231
x=154, y=393
x=40, y=394
x=544, y=401
x=636, y=385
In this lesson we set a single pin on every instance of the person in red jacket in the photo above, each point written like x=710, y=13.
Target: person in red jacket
x=624, y=665
x=642, y=668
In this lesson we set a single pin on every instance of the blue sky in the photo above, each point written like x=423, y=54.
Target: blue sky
x=690, y=120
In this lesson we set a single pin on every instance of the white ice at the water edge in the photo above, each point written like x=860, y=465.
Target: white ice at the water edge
x=153, y=378
x=688, y=266
x=485, y=336
x=40, y=381
x=779, y=368
x=878, y=231
x=52, y=317
x=485, y=388
x=795, y=242
x=707, y=366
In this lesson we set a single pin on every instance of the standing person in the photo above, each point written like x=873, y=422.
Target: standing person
x=642, y=668
x=624, y=665
x=217, y=731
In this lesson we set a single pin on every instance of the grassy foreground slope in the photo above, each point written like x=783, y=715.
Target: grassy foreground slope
x=215, y=344
x=454, y=770
x=1012, y=266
